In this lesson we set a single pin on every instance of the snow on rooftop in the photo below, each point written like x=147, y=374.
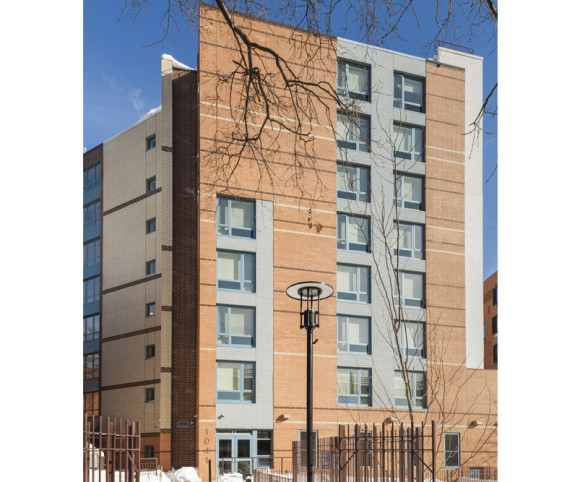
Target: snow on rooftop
x=176, y=63
x=151, y=113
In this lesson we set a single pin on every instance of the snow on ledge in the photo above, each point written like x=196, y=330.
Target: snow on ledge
x=176, y=64
x=151, y=113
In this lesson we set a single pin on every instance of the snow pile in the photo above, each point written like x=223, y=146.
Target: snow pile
x=153, y=476
x=184, y=474
x=176, y=63
x=151, y=113
x=235, y=477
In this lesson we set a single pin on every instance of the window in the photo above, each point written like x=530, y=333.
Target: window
x=353, y=283
x=303, y=454
x=411, y=289
x=408, y=93
x=91, y=290
x=452, y=450
x=416, y=386
x=236, y=271
x=91, y=403
x=91, y=366
x=353, y=133
x=150, y=267
x=484, y=330
x=150, y=309
x=354, y=334
x=91, y=327
x=150, y=226
x=235, y=382
x=92, y=215
x=410, y=243
x=235, y=325
x=476, y=473
x=495, y=296
x=92, y=253
x=352, y=233
x=494, y=325
x=149, y=451
x=495, y=353
x=408, y=142
x=151, y=142
x=353, y=80
x=92, y=177
x=149, y=395
x=235, y=217
x=150, y=184
x=354, y=386
x=411, y=337
x=408, y=191
x=149, y=352
x=353, y=182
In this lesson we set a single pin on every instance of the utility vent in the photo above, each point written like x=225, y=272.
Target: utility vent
x=182, y=424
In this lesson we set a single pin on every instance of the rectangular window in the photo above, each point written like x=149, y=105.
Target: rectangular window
x=354, y=334
x=92, y=214
x=236, y=271
x=408, y=142
x=91, y=290
x=149, y=451
x=149, y=395
x=235, y=382
x=353, y=133
x=235, y=325
x=410, y=287
x=151, y=142
x=91, y=327
x=303, y=438
x=495, y=353
x=408, y=191
x=452, y=446
x=92, y=177
x=353, y=182
x=495, y=296
x=353, y=283
x=416, y=390
x=411, y=240
x=353, y=233
x=494, y=325
x=411, y=337
x=476, y=473
x=91, y=366
x=150, y=184
x=92, y=253
x=484, y=330
x=264, y=448
x=236, y=217
x=91, y=403
x=149, y=352
x=150, y=226
x=354, y=386
x=353, y=80
x=150, y=309
x=408, y=93
x=150, y=267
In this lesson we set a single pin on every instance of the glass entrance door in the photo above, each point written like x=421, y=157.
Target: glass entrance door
x=235, y=451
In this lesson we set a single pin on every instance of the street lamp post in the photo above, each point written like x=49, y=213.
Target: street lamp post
x=309, y=293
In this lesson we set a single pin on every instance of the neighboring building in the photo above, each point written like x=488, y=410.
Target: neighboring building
x=490, y=321
x=196, y=336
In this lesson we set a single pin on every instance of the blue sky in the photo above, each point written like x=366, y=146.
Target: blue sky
x=122, y=81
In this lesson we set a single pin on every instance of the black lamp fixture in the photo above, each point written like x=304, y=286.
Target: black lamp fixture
x=309, y=293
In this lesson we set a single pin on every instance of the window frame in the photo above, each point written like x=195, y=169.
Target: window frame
x=360, y=194
x=401, y=402
x=149, y=451
x=151, y=184
x=244, y=257
x=149, y=395
x=150, y=351
x=89, y=208
x=408, y=204
x=96, y=259
x=94, y=371
x=150, y=267
x=151, y=142
x=93, y=184
x=151, y=226
x=228, y=331
x=414, y=155
x=494, y=295
x=358, y=394
x=345, y=91
x=94, y=334
x=242, y=390
x=402, y=252
x=447, y=455
x=228, y=225
x=96, y=292
x=401, y=284
x=347, y=331
x=366, y=248
x=363, y=140
x=358, y=284
x=402, y=103
x=411, y=352
x=495, y=353
x=494, y=325
x=148, y=309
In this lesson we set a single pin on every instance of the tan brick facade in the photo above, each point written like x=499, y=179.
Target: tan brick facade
x=489, y=312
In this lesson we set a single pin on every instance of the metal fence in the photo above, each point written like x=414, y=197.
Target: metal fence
x=247, y=466
x=110, y=447
x=370, y=453
x=469, y=474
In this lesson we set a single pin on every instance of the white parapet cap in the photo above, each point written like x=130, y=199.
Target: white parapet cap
x=176, y=64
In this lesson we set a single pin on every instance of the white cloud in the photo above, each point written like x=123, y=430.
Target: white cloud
x=133, y=93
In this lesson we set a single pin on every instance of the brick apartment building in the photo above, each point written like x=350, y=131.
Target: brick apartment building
x=490, y=322
x=187, y=324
